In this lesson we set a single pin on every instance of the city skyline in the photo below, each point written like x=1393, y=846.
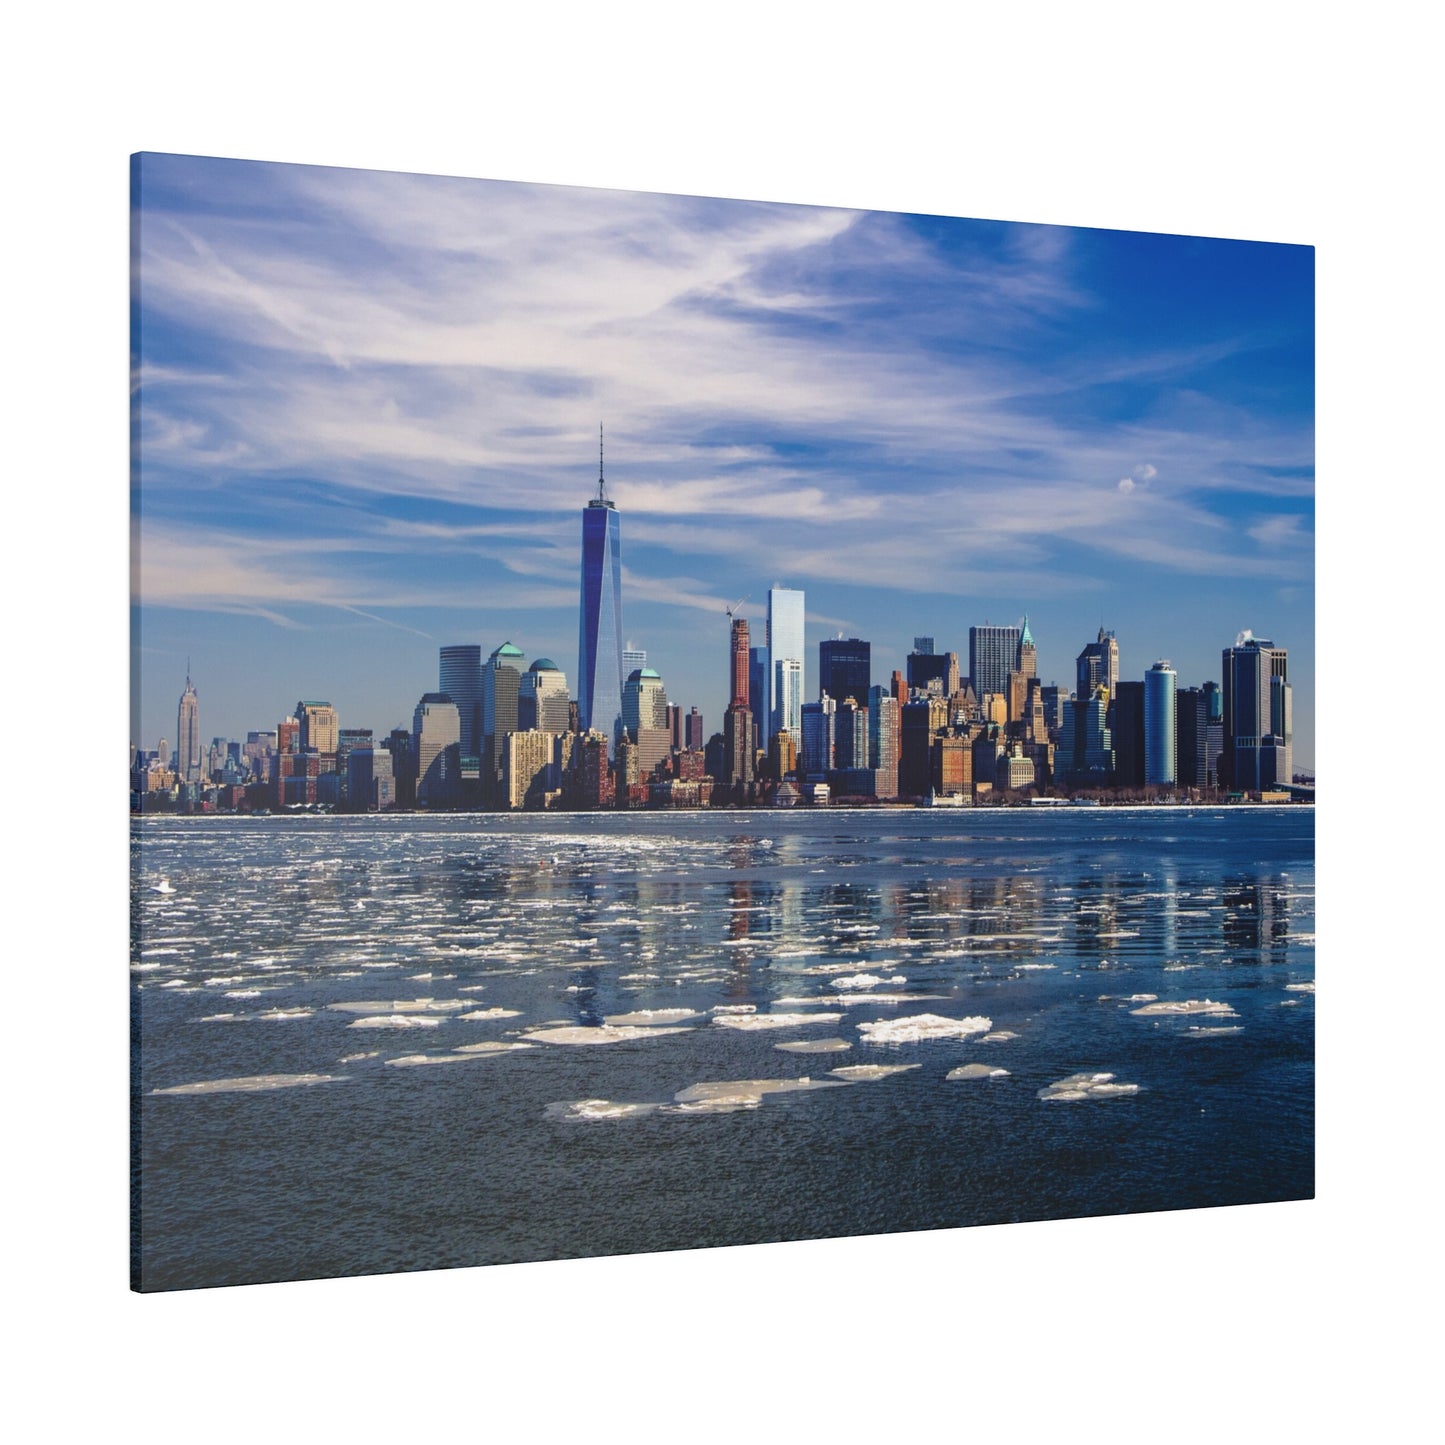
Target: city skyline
x=360, y=441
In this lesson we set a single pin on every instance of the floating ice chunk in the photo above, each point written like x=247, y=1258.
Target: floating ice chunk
x=395, y=1021
x=1196, y=1032
x=735, y=1008
x=582, y=1034
x=591, y=1110
x=976, y=1071
x=227, y=1018
x=402, y=1006
x=916, y=1027
x=252, y=1085
x=723, y=1098
x=456, y=1056
x=866, y=1073
x=771, y=1021
x=651, y=1016
x=1171, y=1008
x=1142, y=998
x=815, y=1046
x=869, y=980
x=1034, y=967
x=243, y=993
x=477, y=1015
x=273, y=1014
x=490, y=1048
x=1299, y=987
x=175, y=983
x=998, y=1036
x=357, y=1058
x=1087, y=1086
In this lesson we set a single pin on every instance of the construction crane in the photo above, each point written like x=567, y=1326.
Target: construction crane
x=735, y=607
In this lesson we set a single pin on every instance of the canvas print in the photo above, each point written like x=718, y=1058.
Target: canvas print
x=663, y=722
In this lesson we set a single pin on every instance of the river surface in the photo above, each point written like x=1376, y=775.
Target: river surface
x=371, y=1044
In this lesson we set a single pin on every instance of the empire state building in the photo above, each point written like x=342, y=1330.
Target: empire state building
x=599, y=642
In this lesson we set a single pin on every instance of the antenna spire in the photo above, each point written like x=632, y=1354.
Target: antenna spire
x=601, y=495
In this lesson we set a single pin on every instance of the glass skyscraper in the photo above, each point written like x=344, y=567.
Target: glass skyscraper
x=785, y=645
x=993, y=653
x=599, y=641
x=1161, y=768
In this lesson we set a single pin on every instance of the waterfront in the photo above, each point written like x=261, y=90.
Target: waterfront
x=474, y=1029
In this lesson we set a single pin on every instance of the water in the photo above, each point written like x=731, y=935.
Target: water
x=310, y=993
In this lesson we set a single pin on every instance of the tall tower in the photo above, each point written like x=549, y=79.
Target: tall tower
x=845, y=668
x=1258, y=726
x=460, y=677
x=1161, y=759
x=188, y=733
x=785, y=646
x=739, y=732
x=1097, y=666
x=993, y=653
x=599, y=637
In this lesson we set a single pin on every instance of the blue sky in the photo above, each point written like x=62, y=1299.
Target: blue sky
x=368, y=408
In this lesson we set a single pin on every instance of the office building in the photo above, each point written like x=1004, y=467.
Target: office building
x=1191, y=734
x=459, y=675
x=695, y=739
x=930, y=671
x=785, y=662
x=845, y=669
x=739, y=762
x=1257, y=721
x=501, y=696
x=1160, y=693
x=599, y=642
x=188, y=766
x=436, y=747
x=993, y=653
x=319, y=726
x=1126, y=727
x=818, y=722
x=542, y=700
x=1097, y=666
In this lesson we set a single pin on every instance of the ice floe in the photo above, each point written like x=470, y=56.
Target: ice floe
x=1195, y=1031
x=868, y=980
x=866, y=1073
x=998, y=1036
x=255, y=1084
x=771, y=1021
x=1299, y=988
x=724, y=1097
x=735, y=1008
x=814, y=1046
x=1087, y=1086
x=395, y=1021
x=916, y=1027
x=478, y=1015
x=591, y=1110
x=456, y=1056
x=401, y=1006
x=583, y=1034
x=976, y=1071
x=274, y=1014
x=651, y=1016
x=1176, y=1007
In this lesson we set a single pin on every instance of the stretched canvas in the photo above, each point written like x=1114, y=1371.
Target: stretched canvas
x=664, y=722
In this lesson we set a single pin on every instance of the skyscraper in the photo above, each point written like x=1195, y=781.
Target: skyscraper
x=501, y=694
x=845, y=668
x=993, y=653
x=460, y=677
x=542, y=700
x=1097, y=666
x=1161, y=768
x=785, y=663
x=599, y=639
x=739, y=733
x=436, y=746
x=188, y=734
x=1258, y=726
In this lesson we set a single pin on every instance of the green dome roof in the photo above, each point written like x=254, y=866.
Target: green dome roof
x=544, y=664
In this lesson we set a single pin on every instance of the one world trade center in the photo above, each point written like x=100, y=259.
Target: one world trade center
x=599, y=642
